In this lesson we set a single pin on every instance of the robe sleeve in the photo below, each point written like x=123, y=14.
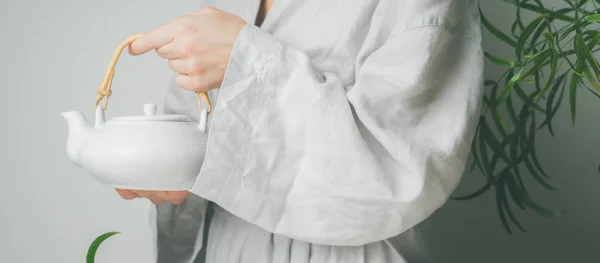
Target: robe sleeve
x=295, y=151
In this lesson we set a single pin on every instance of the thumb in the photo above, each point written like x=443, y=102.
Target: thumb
x=126, y=194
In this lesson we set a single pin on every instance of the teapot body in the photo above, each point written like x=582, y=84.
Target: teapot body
x=149, y=152
x=145, y=155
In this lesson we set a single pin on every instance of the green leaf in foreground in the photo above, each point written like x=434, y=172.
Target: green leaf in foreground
x=500, y=204
x=553, y=67
x=500, y=61
x=91, y=254
x=495, y=31
x=593, y=18
x=573, y=97
x=538, y=59
x=526, y=34
x=550, y=112
x=511, y=83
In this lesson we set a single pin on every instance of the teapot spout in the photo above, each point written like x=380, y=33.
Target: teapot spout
x=79, y=132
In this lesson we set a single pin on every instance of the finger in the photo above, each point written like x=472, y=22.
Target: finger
x=177, y=201
x=178, y=197
x=189, y=82
x=152, y=40
x=142, y=194
x=204, y=81
x=162, y=195
x=155, y=199
x=206, y=9
x=150, y=196
x=170, y=51
x=126, y=194
x=181, y=66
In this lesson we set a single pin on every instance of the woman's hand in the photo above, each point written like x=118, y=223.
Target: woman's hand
x=157, y=197
x=198, y=46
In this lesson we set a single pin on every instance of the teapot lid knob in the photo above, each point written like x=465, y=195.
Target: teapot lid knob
x=150, y=109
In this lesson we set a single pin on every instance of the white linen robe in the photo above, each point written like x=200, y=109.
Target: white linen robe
x=339, y=126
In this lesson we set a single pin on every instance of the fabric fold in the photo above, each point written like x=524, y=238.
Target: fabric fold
x=294, y=150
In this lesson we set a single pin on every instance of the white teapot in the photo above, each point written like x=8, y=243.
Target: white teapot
x=147, y=152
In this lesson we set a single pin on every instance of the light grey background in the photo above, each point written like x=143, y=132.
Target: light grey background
x=54, y=56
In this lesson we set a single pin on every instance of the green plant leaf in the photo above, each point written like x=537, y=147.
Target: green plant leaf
x=520, y=187
x=538, y=61
x=537, y=176
x=528, y=101
x=528, y=147
x=549, y=39
x=513, y=151
x=500, y=153
x=539, y=57
x=514, y=192
x=536, y=35
x=580, y=74
x=565, y=33
x=513, y=117
x=584, y=54
x=553, y=68
x=511, y=83
x=513, y=29
x=566, y=54
x=594, y=93
x=498, y=122
x=529, y=81
x=573, y=97
x=560, y=82
x=531, y=147
x=576, y=77
x=495, y=31
x=473, y=165
x=495, y=159
x=572, y=4
x=91, y=254
x=590, y=78
x=593, y=18
x=508, y=209
x=539, y=2
x=573, y=28
x=531, y=204
x=593, y=41
x=554, y=14
x=542, y=210
x=492, y=141
x=526, y=34
x=589, y=34
x=517, y=24
x=500, y=201
x=483, y=155
x=581, y=3
x=475, y=194
x=552, y=108
x=538, y=76
x=475, y=154
x=500, y=61
x=512, y=216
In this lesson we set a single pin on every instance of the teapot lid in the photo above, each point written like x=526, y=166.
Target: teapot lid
x=150, y=115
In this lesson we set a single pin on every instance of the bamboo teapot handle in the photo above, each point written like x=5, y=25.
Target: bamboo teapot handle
x=105, y=90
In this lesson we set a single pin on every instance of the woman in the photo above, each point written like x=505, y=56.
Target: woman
x=338, y=126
